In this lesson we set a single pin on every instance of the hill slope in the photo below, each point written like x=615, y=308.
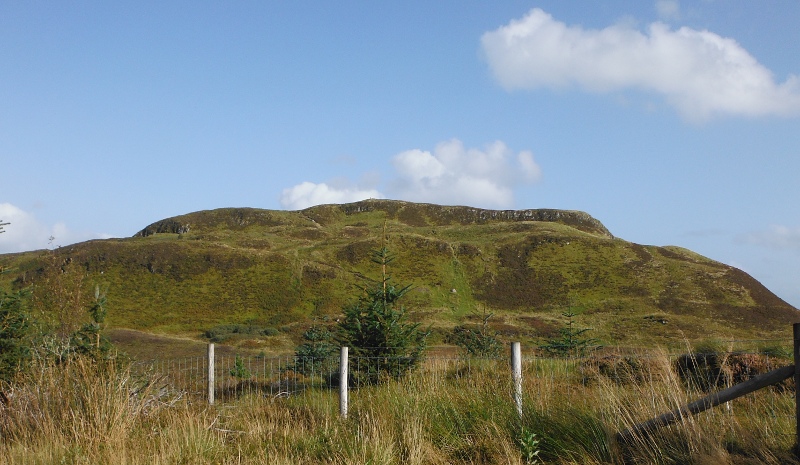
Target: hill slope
x=281, y=269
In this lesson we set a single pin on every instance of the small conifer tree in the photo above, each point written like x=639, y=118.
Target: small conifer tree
x=240, y=370
x=88, y=339
x=376, y=330
x=314, y=354
x=571, y=341
x=477, y=342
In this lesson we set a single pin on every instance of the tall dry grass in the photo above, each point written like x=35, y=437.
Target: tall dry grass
x=85, y=413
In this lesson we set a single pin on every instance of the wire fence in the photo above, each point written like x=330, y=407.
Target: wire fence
x=318, y=379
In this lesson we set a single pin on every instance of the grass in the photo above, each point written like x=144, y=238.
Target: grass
x=82, y=412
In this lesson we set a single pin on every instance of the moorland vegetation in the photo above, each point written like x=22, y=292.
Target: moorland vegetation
x=69, y=397
x=257, y=280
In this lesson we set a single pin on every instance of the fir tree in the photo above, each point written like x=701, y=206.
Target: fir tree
x=571, y=341
x=478, y=343
x=315, y=353
x=88, y=339
x=376, y=330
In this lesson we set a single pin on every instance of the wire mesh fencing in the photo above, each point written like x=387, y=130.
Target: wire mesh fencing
x=318, y=379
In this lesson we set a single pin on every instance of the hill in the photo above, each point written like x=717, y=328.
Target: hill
x=268, y=274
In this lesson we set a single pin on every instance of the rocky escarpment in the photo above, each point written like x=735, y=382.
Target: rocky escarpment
x=409, y=213
x=168, y=226
x=420, y=214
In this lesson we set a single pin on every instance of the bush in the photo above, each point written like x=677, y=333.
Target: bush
x=240, y=370
x=223, y=333
x=89, y=340
x=619, y=369
x=709, y=371
x=14, y=326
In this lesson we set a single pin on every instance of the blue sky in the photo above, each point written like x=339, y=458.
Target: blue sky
x=673, y=123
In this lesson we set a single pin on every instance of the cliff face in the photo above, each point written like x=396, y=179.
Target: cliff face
x=437, y=215
x=411, y=214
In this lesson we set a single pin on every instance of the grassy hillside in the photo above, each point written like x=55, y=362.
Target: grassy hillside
x=276, y=271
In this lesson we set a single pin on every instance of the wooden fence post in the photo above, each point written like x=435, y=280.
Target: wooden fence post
x=211, y=374
x=516, y=369
x=343, y=375
x=796, y=334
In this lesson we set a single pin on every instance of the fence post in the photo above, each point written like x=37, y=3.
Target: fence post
x=516, y=368
x=343, y=375
x=211, y=374
x=796, y=334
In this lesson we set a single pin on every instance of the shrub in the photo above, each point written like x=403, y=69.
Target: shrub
x=223, y=333
x=88, y=339
x=14, y=327
x=240, y=370
x=619, y=369
x=709, y=371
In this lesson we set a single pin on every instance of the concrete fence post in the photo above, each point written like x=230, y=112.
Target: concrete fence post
x=343, y=375
x=211, y=374
x=516, y=369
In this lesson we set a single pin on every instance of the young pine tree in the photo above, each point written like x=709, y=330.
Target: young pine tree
x=88, y=339
x=477, y=342
x=571, y=341
x=315, y=354
x=377, y=331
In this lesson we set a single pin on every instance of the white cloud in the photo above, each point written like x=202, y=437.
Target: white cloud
x=25, y=232
x=668, y=9
x=699, y=72
x=778, y=237
x=308, y=194
x=452, y=174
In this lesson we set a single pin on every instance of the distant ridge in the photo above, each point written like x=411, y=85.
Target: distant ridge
x=413, y=214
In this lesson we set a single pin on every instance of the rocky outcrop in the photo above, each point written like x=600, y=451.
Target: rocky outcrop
x=442, y=215
x=168, y=226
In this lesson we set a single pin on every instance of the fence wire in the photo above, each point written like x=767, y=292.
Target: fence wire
x=317, y=380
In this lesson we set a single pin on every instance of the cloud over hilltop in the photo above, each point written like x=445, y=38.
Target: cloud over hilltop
x=450, y=174
x=453, y=174
x=700, y=73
